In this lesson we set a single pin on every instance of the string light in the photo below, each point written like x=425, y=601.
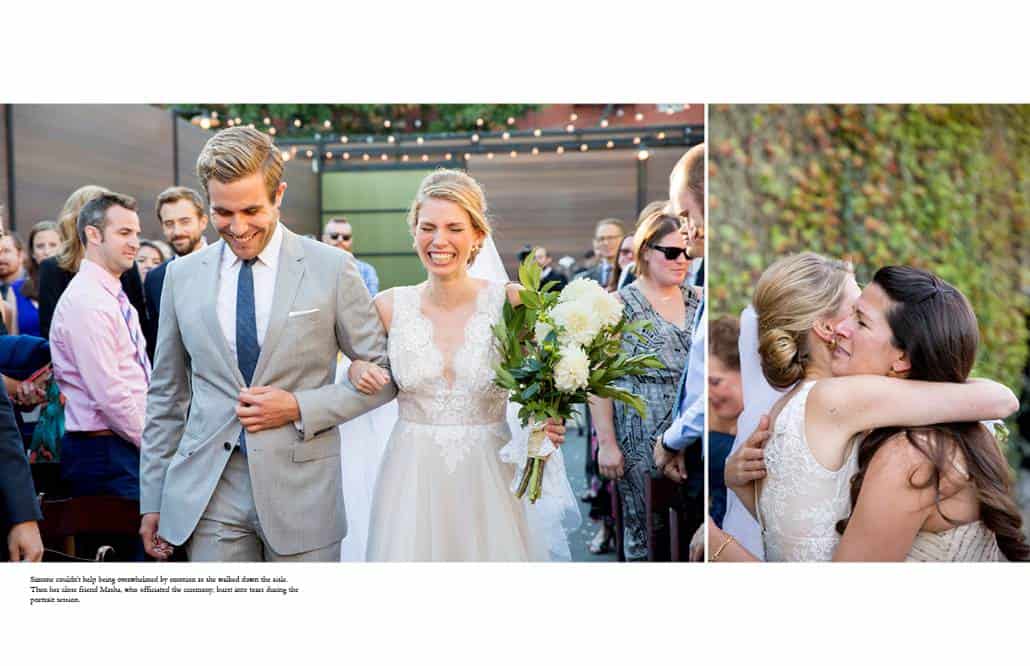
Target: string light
x=506, y=136
x=286, y=156
x=327, y=124
x=404, y=158
x=489, y=156
x=560, y=150
x=636, y=141
x=296, y=122
x=447, y=157
x=230, y=123
x=570, y=128
x=268, y=121
x=643, y=155
x=365, y=157
x=309, y=154
x=584, y=148
x=537, y=132
x=391, y=138
x=514, y=153
x=425, y=158
x=604, y=123
x=385, y=157
x=468, y=156
x=238, y=121
x=387, y=124
x=475, y=138
x=205, y=123
x=620, y=112
x=661, y=135
x=214, y=114
x=511, y=121
x=345, y=139
x=479, y=122
x=418, y=123
x=329, y=155
x=610, y=144
x=639, y=116
x=420, y=141
x=574, y=117
x=346, y=156
x=271, y=130
x=536, y=151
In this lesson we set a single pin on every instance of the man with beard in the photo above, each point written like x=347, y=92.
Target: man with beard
x=180, y=211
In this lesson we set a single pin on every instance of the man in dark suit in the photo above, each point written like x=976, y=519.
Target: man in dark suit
x=607, y=237
x=19, y=508
x=548, y=273
x=180, y=211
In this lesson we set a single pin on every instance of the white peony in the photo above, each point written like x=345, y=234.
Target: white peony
x=579, y=321
x=541, y=331
x=580, y=289
x=608, y=309
x=572, y=372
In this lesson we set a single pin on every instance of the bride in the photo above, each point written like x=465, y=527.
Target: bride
x=932, y=492
x=442, y=490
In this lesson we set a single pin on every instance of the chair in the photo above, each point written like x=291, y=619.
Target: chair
x=66, y=519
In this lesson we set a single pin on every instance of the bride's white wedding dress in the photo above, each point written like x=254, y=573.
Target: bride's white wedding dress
x=443, y=492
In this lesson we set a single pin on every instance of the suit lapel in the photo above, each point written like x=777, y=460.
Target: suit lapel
x=287, y=281
x=211, y=274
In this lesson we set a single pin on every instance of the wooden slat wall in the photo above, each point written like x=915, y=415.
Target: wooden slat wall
x=61, y=147
x=556, y=200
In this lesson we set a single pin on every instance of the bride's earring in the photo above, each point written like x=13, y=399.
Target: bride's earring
x=832, y=344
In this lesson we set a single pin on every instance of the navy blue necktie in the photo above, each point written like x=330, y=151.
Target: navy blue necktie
x=247, y=347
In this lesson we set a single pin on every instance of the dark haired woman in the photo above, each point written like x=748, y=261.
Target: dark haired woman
x=944, y=496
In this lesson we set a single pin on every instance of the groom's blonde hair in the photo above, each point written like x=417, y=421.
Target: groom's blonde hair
x=236, y=153
x=790, y=296
x=459, y=188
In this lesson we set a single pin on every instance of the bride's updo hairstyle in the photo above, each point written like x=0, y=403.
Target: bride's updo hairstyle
x=459, y=188
x=790, y=297
x=933, y=323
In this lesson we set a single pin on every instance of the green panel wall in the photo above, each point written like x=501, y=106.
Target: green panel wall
x=380, y=238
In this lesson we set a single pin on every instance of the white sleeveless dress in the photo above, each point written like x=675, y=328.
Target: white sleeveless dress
x=443, y=492
x=800, y=500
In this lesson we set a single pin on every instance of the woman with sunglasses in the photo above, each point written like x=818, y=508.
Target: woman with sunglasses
x=659, y=296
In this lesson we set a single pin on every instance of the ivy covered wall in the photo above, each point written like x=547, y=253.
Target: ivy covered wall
x=945, y=188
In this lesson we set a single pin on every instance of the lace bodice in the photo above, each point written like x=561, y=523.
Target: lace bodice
x=800, y=500
x=971, y=542
x=425, y=397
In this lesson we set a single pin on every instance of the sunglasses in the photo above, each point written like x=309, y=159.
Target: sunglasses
x=671, y=253
x=336, y=237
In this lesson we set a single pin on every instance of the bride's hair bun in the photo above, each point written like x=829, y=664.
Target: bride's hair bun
x=781, y=362
x=790, y=297
x=459, y=188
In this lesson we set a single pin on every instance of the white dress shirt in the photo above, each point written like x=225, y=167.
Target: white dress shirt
x=265, y=270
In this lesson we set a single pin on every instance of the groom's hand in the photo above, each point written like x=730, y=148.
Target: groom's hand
x=155, y=546
x=266, y=407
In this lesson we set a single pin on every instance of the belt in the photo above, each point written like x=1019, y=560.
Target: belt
x=92, y=433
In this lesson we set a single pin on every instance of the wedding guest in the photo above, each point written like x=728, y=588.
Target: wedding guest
x=44, y=240
x=19, y=508
x=548, y=273
x=56, y=272
x=339, y=233
x=99, y=355
x=625, y=438
x=607, y=236
x=725, y=403
x=12, y=270
x=687, y=201
x=149, y=257
x=180, y=211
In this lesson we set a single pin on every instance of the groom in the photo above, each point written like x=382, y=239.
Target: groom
x=241, y=455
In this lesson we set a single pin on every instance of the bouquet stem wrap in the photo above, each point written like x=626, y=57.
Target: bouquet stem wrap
x=538, y=449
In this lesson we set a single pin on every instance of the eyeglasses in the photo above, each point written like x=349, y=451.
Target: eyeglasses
x=336, y=236
x=671, y=253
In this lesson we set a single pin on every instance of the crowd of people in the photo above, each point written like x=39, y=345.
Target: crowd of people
x=92, y=288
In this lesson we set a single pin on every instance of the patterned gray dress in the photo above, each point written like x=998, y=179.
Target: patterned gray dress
x=658, y=388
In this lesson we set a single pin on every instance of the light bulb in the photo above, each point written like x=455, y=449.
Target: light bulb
x=489, y=156
x=327, y=124
x=296, y=122
x=537, y=132
x=425, y=158
x=574, y=117
x=610, y=144
x=447, y=156
x=506, y=136
x=391, y=139
x=386, y=124
x=661, y=135
x=329, y=155
x=643, y=155
x=365, y=157
x=570, y=128
x=475, y=138
x=511, y=121
x=536, y=151
x=268, y=121
x=639, y=116
x=636, y=141
x=604, y=123
x=560, y=150
x=584, y=148
x=420, y=141
x=514, y=153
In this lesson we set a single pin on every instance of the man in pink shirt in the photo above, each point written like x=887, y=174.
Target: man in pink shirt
x=99, y=356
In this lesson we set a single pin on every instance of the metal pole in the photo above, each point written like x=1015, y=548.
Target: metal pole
x=9, y=158
x=641, y=184
x=175, y=147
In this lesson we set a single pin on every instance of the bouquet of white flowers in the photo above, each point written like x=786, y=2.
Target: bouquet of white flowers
x=558, y=349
